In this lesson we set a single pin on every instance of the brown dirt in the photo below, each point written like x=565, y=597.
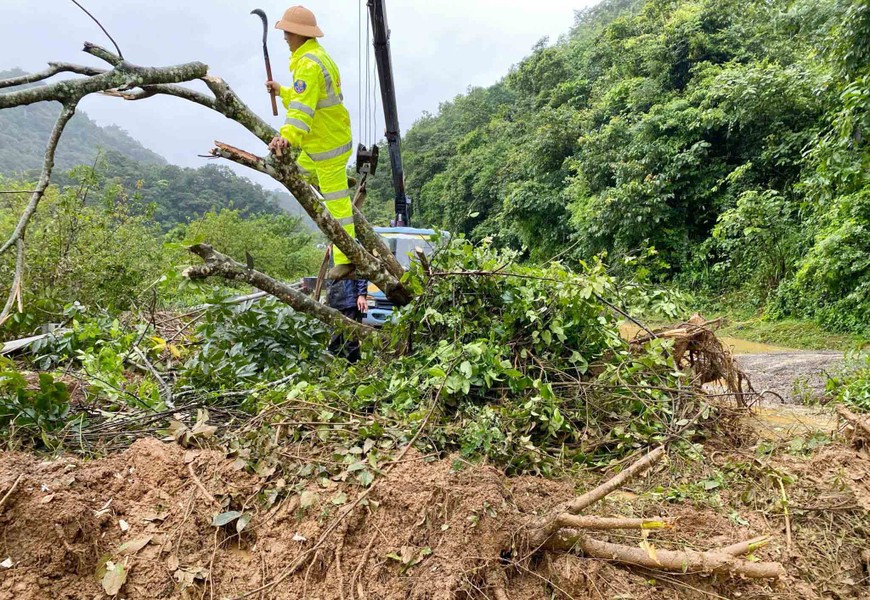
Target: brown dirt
x=66, y=514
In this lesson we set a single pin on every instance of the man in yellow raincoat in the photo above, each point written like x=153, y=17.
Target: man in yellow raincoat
x=317, y=121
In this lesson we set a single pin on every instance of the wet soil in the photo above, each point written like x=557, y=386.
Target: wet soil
x=433, y=530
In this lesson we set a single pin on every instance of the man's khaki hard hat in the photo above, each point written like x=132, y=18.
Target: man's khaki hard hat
x=301, y=21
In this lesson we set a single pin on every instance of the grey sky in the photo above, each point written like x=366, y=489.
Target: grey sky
x=439, y=49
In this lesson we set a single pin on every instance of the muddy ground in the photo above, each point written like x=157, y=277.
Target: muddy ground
x=431, y=530
x=795, y=377
x=435, y=529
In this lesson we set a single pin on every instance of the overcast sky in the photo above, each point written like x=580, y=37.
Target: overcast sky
x=439, y=47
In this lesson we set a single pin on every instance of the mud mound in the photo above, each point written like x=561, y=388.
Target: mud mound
x=434, y=530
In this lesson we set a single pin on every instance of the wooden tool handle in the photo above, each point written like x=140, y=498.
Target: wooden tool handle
x=271, y=91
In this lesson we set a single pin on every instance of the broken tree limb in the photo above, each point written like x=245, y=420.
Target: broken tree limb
x=53, y=69
x=285, y=171
x=217, y=264
x=543, y=529
x=675, y=561
x=854, y=420
x=372, y=242
x=611, y=485
x=743, y=548
x=124, y=75
x=570, y=521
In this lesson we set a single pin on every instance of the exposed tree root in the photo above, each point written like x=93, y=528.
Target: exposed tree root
x=565, y=531
x=676, y=561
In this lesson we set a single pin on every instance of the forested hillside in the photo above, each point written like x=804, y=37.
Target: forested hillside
x=181, y=194
x=24, y=131
x=730, y=136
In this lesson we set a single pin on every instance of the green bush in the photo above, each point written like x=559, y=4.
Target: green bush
x=28, y=411
x=280, y=245
x=852, y=386
x=85, y=243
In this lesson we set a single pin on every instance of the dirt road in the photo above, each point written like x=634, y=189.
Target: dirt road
x=798, y=377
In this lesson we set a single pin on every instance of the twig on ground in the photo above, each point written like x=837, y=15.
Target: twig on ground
x=201, y=487
x=360, y=588
x=12, y=489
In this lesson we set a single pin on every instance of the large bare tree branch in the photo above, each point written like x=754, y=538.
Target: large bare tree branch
x=224, y=266
x=123, y=76
x=132, y=82
x=53, y=69
x=286, y=171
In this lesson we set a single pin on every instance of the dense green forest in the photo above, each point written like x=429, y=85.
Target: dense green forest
x=24, y=131
x=718, y=144
x=182, y=194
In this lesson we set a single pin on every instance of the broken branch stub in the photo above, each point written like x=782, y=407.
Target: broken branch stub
x=285, y=171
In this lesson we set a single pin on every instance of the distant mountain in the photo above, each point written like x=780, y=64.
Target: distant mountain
x=24, y=131
x=179, y=194
x=183, y=194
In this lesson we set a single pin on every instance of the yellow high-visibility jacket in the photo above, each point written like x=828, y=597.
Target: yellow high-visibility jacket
x=317, y=121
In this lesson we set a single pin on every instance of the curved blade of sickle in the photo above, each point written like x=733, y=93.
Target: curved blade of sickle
x=259, y=12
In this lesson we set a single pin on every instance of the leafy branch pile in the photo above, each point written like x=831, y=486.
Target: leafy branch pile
x=523, y=366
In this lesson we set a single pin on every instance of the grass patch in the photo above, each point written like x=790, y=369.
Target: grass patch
x=790, y=333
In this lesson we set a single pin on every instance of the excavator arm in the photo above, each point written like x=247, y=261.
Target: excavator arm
x=381, y=34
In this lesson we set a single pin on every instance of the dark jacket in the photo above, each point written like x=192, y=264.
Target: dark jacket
x=343, y=293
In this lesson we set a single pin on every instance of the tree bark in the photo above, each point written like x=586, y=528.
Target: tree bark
x=224, y=266
x=285, y=171
x=675, y=561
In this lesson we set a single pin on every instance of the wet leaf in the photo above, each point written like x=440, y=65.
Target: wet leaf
x=133, y=546
x=114, y=579
x=226, y=517
x=243, y=521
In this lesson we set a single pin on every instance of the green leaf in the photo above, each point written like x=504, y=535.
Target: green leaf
x=226, y=517
x=243, y=521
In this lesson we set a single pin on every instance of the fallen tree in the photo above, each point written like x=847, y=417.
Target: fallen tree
x=133, y=83
x=522, y=368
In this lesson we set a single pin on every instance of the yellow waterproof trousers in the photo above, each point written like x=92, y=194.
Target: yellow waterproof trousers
x=331, y=177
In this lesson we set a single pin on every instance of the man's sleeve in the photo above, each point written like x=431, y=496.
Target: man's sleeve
x=362, y=287
x=300, y=100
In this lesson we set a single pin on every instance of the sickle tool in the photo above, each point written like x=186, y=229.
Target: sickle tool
x=262, y=16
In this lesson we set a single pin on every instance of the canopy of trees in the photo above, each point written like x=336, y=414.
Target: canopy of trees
x=728, y=135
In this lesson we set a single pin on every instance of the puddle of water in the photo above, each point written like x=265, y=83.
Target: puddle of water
x=739, y=346
x=630, y=330
x=787, y=421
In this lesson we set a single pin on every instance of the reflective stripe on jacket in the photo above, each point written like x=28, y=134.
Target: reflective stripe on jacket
x=317, y=121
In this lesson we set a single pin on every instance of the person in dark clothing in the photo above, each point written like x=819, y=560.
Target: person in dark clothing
x=347, y=296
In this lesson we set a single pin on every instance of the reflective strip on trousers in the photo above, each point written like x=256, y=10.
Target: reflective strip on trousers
x=298, y=124
x=303, y=108
x=337, y=195
x=345, y=221
x=321, y=156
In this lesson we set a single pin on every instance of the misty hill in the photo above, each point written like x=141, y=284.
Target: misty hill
x=179, y=194
x=182, y=194
x=24, y=131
